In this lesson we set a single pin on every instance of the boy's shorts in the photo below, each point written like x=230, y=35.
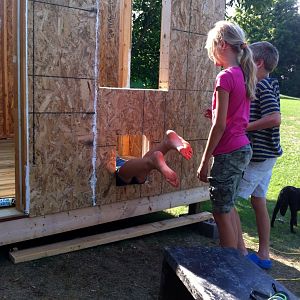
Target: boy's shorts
x=256, y=179
x=119, y=181
x=225, y=176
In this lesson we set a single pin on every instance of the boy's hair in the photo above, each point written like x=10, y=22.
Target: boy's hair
x=267, y=52
x=234, y=35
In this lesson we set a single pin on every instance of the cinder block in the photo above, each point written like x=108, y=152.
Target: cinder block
x=209, y=228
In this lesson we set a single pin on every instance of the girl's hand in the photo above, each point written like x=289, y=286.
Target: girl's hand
x=203, y=171
x=208, y=113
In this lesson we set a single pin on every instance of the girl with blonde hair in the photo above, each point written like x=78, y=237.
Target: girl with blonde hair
x=227, y=141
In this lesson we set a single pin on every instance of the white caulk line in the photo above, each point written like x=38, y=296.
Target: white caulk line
x=27, y=168
x=93, y=180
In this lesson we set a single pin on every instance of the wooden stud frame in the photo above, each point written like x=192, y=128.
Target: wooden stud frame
x=13, y=67
x=125, y=43
x=21, y=154
x=164, y=45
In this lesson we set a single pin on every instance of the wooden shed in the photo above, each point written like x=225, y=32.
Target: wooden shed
x=67, y=103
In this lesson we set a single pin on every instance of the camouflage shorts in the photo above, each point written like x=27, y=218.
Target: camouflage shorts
x=225, y=176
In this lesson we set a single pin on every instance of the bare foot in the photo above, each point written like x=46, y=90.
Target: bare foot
x=174, y=141
x=158, y=160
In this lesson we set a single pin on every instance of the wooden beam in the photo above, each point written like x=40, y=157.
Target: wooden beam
x=19, y=256
x=21, y=118
x=165, y=45
x=125, y=43
x=31, y=228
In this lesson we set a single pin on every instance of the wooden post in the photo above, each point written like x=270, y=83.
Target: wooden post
x=164, y=45
x=125, y=43
x=20, y=125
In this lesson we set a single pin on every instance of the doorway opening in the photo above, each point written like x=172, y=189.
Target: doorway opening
x=12, y=92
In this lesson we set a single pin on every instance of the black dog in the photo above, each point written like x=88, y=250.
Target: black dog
x=289, y=196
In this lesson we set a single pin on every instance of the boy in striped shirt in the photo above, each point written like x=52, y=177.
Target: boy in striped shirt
x=263, y=130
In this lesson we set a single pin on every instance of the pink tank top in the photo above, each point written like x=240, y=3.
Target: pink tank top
x=234, y=137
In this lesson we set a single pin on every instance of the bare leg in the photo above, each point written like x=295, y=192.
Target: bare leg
x=241, y=244
x=173, y=141
x=227, y=232
x=141, y=167
x=263, y=226
x=154, y=159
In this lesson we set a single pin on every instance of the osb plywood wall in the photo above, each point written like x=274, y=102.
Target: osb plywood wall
x=62, y=42
x=8, y=85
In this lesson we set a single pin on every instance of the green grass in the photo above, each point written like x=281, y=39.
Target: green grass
x=287, y=168
x=285, y=172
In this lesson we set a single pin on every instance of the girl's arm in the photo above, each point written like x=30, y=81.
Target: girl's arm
x=216, y=132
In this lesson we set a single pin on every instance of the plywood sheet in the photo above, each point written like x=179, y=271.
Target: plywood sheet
x=109, y=43
x=197, y=126
x=11, y=99
x=8, y=58
x=153, y=117
x=105, y=172
x=175, y=111
x=128, y=192
x=153, y=185
x=62, y=95
x=120, y=112
x=82, y=4
x=178, y=65
x=180, y=14
x=189, y=167
x=200, y=67
x=205, y=13
x=220, y=7
x=63, y=163
x=71, y=34
x=30, y=37
x=178, y=73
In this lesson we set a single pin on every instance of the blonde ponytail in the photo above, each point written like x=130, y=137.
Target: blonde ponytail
x=249, y=68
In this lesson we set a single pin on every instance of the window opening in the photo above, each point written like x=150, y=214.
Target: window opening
x=145, y=51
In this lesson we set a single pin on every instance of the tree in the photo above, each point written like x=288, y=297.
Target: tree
x=145, y=52
x=276, y=21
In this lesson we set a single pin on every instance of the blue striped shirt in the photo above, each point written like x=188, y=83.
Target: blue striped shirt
x=265, y=143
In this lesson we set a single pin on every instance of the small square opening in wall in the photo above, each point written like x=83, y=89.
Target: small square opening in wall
x=132, y=146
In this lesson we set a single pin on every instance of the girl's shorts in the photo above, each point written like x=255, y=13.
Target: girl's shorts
x=225, y=177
